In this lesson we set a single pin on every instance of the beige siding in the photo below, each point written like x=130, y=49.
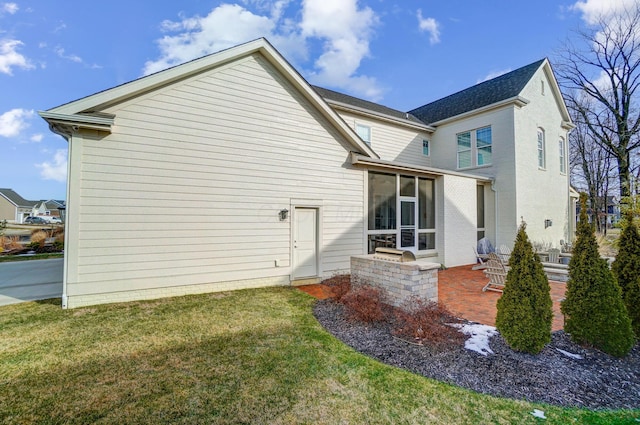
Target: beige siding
x=187, y=188
x=7, y=210
x=392, y=142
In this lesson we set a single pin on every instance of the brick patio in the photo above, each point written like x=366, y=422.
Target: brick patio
x=460, y=290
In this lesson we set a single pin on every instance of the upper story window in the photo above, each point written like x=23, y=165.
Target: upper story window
x=425, y=147
x=542, y=87
x=364, y=131
x=475, y=147
x=541, y=156
x=563, y=162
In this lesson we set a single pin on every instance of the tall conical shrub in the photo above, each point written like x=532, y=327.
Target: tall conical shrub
x=524, y=310
x=626, y=269
x=593, y=308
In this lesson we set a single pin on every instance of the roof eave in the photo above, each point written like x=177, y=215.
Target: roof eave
x=377, y=115
x=101, y=100
x=517, y=101
x=357, y=159
x=65, y=124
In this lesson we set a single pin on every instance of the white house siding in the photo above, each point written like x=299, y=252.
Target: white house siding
x=392, y=142
x=184, y=195
x=456, y=232
x=500, y=218
x=542, y=193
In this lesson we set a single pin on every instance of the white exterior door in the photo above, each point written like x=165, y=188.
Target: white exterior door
x=408, y=230
x=305, y=243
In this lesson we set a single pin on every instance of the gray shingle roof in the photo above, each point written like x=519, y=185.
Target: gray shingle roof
x=11, y=195
x=486, y=93
x=331, y=95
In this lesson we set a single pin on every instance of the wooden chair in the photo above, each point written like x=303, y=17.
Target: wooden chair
x=496, y=272
x=504, y=252
x=553, y=255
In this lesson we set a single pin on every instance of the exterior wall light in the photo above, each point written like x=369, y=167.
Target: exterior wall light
x=283, y=214
x=548, y=223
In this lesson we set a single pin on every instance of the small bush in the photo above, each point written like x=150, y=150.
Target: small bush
x=365, y=303
x=594, y=311
x=38, y=238
x=524, y=310
x=10, y=243
x=626, y=269
x=426, y=323
x=340, y=285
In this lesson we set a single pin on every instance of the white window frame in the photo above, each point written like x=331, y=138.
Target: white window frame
x=562, y=146
x=426, y=147
x=359, y=128
x=542, y=161
x=474, y=149
x=397, y=231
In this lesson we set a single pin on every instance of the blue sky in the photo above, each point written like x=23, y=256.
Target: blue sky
x=402, y=53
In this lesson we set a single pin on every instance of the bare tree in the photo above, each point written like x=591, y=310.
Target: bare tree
x=606, y=72
x=591, y=169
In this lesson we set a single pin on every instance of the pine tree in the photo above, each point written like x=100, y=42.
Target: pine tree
x=524, y=310
x=593, y=308
x=626, y=269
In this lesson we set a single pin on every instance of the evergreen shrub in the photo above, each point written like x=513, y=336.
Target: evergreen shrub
x=594, y=312
x=525, y=309
x=626, y=269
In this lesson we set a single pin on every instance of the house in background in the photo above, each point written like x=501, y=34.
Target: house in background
x=285, y=181
x=47, y=208
x=13, y=207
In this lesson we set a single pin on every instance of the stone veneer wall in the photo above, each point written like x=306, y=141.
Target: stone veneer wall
x=400, y=280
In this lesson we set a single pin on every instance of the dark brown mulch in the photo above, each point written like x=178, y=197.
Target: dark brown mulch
x=597, y=381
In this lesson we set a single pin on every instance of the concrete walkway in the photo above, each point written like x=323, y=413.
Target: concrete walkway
x=30, y=280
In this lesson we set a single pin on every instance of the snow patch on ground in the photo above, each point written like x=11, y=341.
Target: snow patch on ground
x=479, y=336
x=538, y=414
x=571, y=355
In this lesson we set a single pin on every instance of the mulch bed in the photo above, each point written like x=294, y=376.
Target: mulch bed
x=597, y=381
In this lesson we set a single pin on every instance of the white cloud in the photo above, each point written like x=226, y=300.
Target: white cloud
x=429, y=25
x=9, y=8
x=56, y=169
x=342, y=29
x=14, y=121
x=594, y=10
x=62, y=54
x=494, y=74
x=9, y=56
x=225, y=26
x=37, y=138
x=345, y=31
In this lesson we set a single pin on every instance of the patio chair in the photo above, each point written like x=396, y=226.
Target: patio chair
x=553, y=255
x=504, y=252
x=496, y=273
x=480, y=260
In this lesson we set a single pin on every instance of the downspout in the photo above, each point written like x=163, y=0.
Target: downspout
x=66, y=134
x=495, y=208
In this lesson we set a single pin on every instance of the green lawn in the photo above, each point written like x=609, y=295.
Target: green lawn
x=254, y=356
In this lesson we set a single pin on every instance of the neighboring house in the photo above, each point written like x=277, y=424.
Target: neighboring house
x=284, y=181
x=13, y=207
x=47, y=208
